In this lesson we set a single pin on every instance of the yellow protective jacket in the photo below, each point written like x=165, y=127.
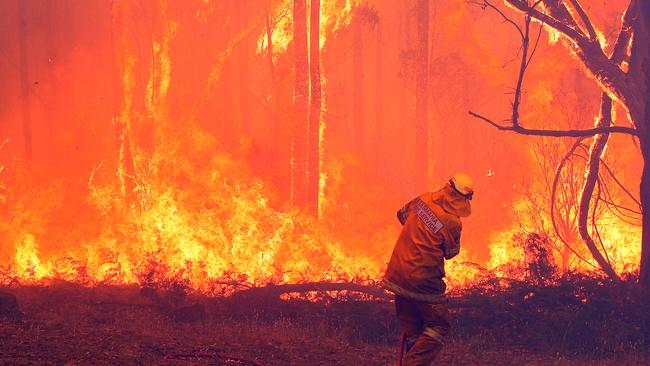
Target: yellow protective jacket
x=430, y=234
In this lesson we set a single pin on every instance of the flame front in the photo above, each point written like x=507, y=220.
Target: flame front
x=175, y=201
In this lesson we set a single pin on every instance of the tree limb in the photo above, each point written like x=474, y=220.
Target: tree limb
x=585, y=19
x=522, y=72
x=274, y=291
x=487, y=4
x=277, y=290
x=572, y=33
x=559, y=133
x=620, y=184
x=588, y=50
x=597, y=148
x=553, y=195
x=594, y=226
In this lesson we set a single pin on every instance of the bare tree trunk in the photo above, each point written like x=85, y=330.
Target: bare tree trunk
x=422, y=95
x=631, y=88
x=641, y=51
x=25, y=92
x=313, y=174
x=273, y=121
x=300, y=132
x=125, y=87
x=644, y=273
x=597, y=148
x=357, y=86
x=379, y=104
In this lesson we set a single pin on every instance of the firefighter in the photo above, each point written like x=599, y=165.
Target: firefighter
x=430, y=234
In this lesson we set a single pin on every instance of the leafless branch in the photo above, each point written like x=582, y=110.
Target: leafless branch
x=585, y=19
x=619, y=54
x=486, y=4
x=522, y=71
x=594, y=214
x=556, y=181
x=539, y=35
x=613, y=81
x=559, y=133
x=524, y=7
x=615, y=209
x=591, y=179
x=588, y=50
x=563, y=12
x=628, y=219
x=513, y=59
x=620, y=184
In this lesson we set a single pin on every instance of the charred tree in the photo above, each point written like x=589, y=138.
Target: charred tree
x=272, y=108
x=300, y=123
x=629, y=86
x=364, y=17
x=640, y=70
x=125, y=88
x=313, y=172
x=422, y=95
x=596, y=153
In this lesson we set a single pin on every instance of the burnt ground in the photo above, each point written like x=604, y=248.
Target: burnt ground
x=66, y=324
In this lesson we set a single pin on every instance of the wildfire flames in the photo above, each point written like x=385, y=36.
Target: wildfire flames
x=178, y=178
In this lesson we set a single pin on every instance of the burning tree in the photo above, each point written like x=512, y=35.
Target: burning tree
x=623, y=77
x=552, y=200
x=300, y=130
x=550, y=194
x=306, y=105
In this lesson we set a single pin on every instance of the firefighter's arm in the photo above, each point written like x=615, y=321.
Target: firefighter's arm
x=452, y=241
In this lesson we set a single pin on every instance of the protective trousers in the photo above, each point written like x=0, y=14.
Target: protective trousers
x=426, y=325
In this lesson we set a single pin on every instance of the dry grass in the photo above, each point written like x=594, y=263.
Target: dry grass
x=70, y=325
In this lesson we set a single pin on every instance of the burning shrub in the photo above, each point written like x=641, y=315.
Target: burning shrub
x=540, y=267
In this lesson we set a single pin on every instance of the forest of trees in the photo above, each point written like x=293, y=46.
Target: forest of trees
x=217, y=181
x=349, y=108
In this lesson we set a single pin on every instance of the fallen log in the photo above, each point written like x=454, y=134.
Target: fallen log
x=278, y=290
x=378, y=293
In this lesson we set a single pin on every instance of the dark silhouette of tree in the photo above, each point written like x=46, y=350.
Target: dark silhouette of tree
x=313, y=172
x=623, y=77
x=364, y=17
x=125, y=74
x=300, y=123
x=357, y=81
x=554, y=199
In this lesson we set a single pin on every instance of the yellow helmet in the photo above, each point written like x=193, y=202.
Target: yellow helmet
x=463, y=184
